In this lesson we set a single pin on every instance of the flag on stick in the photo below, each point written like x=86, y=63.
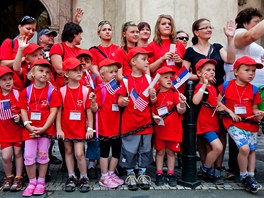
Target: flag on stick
x=112, y=87
x=182, y=75
x=5, y=110
x=139, y=103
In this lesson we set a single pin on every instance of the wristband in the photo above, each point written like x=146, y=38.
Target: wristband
x=203, y=91
x=89, y=129
x=27, y=122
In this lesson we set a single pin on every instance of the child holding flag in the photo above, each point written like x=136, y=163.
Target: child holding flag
x=168, y=135
x=207, y=125
x=106, y=108
x=136, y=149
x=10, y=131
x=71, y=123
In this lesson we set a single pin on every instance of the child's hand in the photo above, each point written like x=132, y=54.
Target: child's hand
x=60, y=134
x=155, y=118
x=152, y=93
x=92, y=97
x=259, y=115
x=89, y=133
x=182, y=98
x=125, y=101
x=167, y=56
x=220, y=107
x=205, y=79
x=235, y=117
x=23, y=42
x=16, y=117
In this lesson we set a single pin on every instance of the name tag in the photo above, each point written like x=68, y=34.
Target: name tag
x=75, y=115
x=240, y=109
x=115, y=107
x=162, y=111
x=35, y=115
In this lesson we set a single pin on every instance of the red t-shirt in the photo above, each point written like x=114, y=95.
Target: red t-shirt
x=121, y=57
x=38, y=102
x=73, y=102
x=85, y=80
x=160, y=50
x=66, y=52
x=9, y=130
x=108, y=111
x=172, y=130
x=232, y=94
x=205, y=121
x=108, y=51
x=133, y=118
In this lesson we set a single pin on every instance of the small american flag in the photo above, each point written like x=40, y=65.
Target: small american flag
x=112, y=86
x=5, y=110
x=139, y=103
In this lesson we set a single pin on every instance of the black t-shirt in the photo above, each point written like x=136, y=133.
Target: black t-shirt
x=193, y=57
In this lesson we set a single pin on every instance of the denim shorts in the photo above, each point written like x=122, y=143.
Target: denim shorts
x=210, y=136
x=242, y=137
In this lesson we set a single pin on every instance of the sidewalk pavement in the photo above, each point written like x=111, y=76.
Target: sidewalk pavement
x=59, y=178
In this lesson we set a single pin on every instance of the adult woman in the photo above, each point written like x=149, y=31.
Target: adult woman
x=249, y=29
x=182, y=37
x=144, y=34
x=9, y=49
x=106, y=49
x=71, y=37
x=129, y=39
x=160, y=46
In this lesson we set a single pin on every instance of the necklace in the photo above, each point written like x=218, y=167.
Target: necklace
x=73, y=98
x=203, y=51
x=240, y=97
x=37, y=101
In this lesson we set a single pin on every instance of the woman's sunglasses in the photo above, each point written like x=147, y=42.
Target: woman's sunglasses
x=182, y=38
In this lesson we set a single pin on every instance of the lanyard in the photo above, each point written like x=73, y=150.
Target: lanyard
x=37, y=101
x=240, y=97
x=73, y=98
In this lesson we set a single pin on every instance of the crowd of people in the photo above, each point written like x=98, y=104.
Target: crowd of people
x=106, y=98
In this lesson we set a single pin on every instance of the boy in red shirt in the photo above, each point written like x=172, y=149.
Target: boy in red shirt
x=71, y=123
x=241, y=101
x=207, y=123
x=167, y=136
x=10, y=132
x=136, y=149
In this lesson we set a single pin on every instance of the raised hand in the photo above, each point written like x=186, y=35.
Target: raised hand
x=78, y=16
x=230, y=28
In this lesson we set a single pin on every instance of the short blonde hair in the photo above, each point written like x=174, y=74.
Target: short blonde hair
x=105, y=69
x=30, y=74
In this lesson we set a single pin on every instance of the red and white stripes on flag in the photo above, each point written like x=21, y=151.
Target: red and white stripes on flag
x=5, y=110
x=112, y=86
x=139, y=103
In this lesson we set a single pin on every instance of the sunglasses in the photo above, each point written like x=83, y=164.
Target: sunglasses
x=25, y=18
x=183, y=38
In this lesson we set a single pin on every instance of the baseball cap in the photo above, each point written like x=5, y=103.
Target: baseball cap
x=137, y=50
x=42, y=62
x=47, y=31
x=84, y=52
x=109, y=62
x=70, y=63
x=245, y=60
x=5, y=70
x=165, y=69
x=31, y=48
x=201, y=62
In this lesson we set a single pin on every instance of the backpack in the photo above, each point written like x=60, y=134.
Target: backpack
x=29, y=92
x=261, y=92
x=100, y=51
x=84, y=92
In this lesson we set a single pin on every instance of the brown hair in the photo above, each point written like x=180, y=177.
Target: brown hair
x=195, y=27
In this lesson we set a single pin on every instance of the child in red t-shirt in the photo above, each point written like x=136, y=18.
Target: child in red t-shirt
x=71, y=123
x=106, y=109
x=90, y=80
x=39, y=105
x=136, y=149
x=207, y=125
x=167, y=136
x=241, y=101
x=10, y=132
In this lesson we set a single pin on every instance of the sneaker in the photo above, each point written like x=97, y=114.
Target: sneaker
x=207, y=174
x=17, y=184
x=8, y=181
x=131, y=182
x=92, y=173
x=40, y=189
x=219, y=180
x=54, y=160
x=71, y=184
x=117, y=179
x=28, y=192
x=144, y=182
x=84, y=185
x=171, y=179
x=251, y=184
x=159, y=180
x=108, y=182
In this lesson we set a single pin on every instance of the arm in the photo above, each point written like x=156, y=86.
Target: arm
x=245, y=38
x=77, y=18
x=50, y=120
x=60, y=133
x=181, y=107
x=92, y=98
x=152, y=95
x=56, y=61
x=22, y=44
x=89, y=132
x=159, y=62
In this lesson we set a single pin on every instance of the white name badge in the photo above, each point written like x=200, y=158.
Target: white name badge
x=35, y=115
x=115, y=107
x=75, y=115
x=240, y=109
x=162, y=111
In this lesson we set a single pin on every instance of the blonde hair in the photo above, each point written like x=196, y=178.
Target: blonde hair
x=101, y=24
x=30, y=74
x=105, y=69
x=157, y=36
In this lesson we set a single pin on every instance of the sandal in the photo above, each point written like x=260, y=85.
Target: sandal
x=17, y=184
x=8, y=182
